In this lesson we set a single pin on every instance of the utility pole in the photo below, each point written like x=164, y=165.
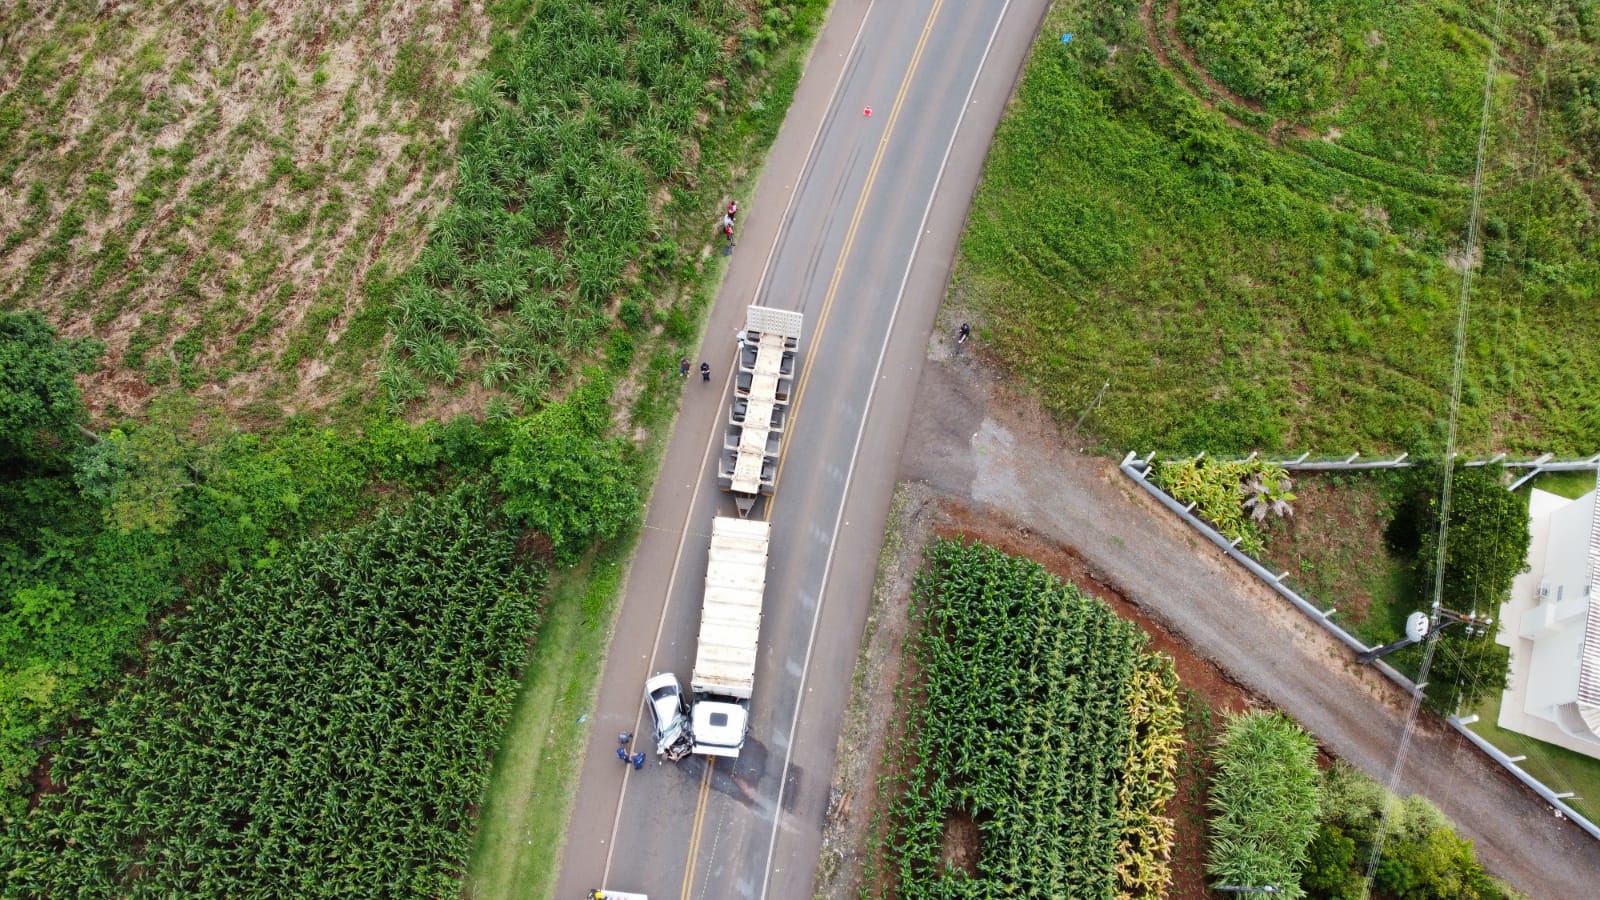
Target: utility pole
x=1418, y=627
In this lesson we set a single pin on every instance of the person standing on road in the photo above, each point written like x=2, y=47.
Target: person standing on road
x=638, y=761
x=705, y=371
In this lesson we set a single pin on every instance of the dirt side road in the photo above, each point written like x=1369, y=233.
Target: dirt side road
x=975, y=444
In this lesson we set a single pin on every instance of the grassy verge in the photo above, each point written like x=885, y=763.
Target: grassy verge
x=1559, y=768
x=524, y=815
x=1571, y=485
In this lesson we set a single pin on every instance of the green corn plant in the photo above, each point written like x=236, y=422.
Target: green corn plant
x=1041, y=716
x=383, y=657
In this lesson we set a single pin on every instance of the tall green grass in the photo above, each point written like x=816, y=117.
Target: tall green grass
x=1239, y=292
x=579, y=189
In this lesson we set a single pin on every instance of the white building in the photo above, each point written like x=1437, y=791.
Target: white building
x=1553, y=630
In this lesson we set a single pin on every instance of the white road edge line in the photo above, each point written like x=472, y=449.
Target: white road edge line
x=855, y=452
x=711, y=439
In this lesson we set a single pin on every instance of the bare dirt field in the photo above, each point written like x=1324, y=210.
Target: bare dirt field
x=983, y=461
x=208, y=187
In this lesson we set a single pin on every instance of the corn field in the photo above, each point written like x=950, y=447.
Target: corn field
x=319, y=729
x=1044, y=720
x=579, y=125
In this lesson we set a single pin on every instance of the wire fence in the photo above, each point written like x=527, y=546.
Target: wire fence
x=1355, y=462
x=1139, y=470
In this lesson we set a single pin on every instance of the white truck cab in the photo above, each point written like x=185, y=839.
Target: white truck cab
x=720, y=727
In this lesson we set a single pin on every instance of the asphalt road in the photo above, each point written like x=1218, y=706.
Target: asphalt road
x=854, y=223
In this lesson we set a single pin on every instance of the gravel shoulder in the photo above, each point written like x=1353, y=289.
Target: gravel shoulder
x=981, y=459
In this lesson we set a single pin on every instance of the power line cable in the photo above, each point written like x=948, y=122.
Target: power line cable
x=1462, y=305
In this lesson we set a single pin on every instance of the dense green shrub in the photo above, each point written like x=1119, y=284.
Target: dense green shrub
x=1486, y=546
x=1487, y=539
x=38, y=395
x=1284, y=53
x=1422, y=859
x=1575, y=88
x=1234, y=496
x=1264, y=796
x=563, y=477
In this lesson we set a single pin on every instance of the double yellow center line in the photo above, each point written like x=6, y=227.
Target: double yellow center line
x=816, y=340
x=699, y=825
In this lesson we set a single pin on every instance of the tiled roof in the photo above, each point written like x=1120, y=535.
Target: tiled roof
x=1589, y=670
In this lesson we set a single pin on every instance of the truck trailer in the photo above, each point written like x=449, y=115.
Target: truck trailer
x=763, y=386
x=730, y=632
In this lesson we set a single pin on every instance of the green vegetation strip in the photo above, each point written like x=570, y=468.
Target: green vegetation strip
x=288, y=737
x=522, y=827
x=1043, y=742
x=1264, y=794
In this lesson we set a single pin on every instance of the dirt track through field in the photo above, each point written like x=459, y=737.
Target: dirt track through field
x=976, y=444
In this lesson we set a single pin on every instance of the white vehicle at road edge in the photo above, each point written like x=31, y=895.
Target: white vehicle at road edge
x=669, y=716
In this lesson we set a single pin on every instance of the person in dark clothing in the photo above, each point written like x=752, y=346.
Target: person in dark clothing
x=622, y=753
x=638, y=761
x=964, y=333
x=683, y=368
x=705, y=371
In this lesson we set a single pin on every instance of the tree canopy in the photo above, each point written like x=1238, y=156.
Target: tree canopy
x=38, y=393
x=564, y=478
x=1486, y=545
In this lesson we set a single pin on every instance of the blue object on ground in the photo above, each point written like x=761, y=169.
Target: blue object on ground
x=1066, y=39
